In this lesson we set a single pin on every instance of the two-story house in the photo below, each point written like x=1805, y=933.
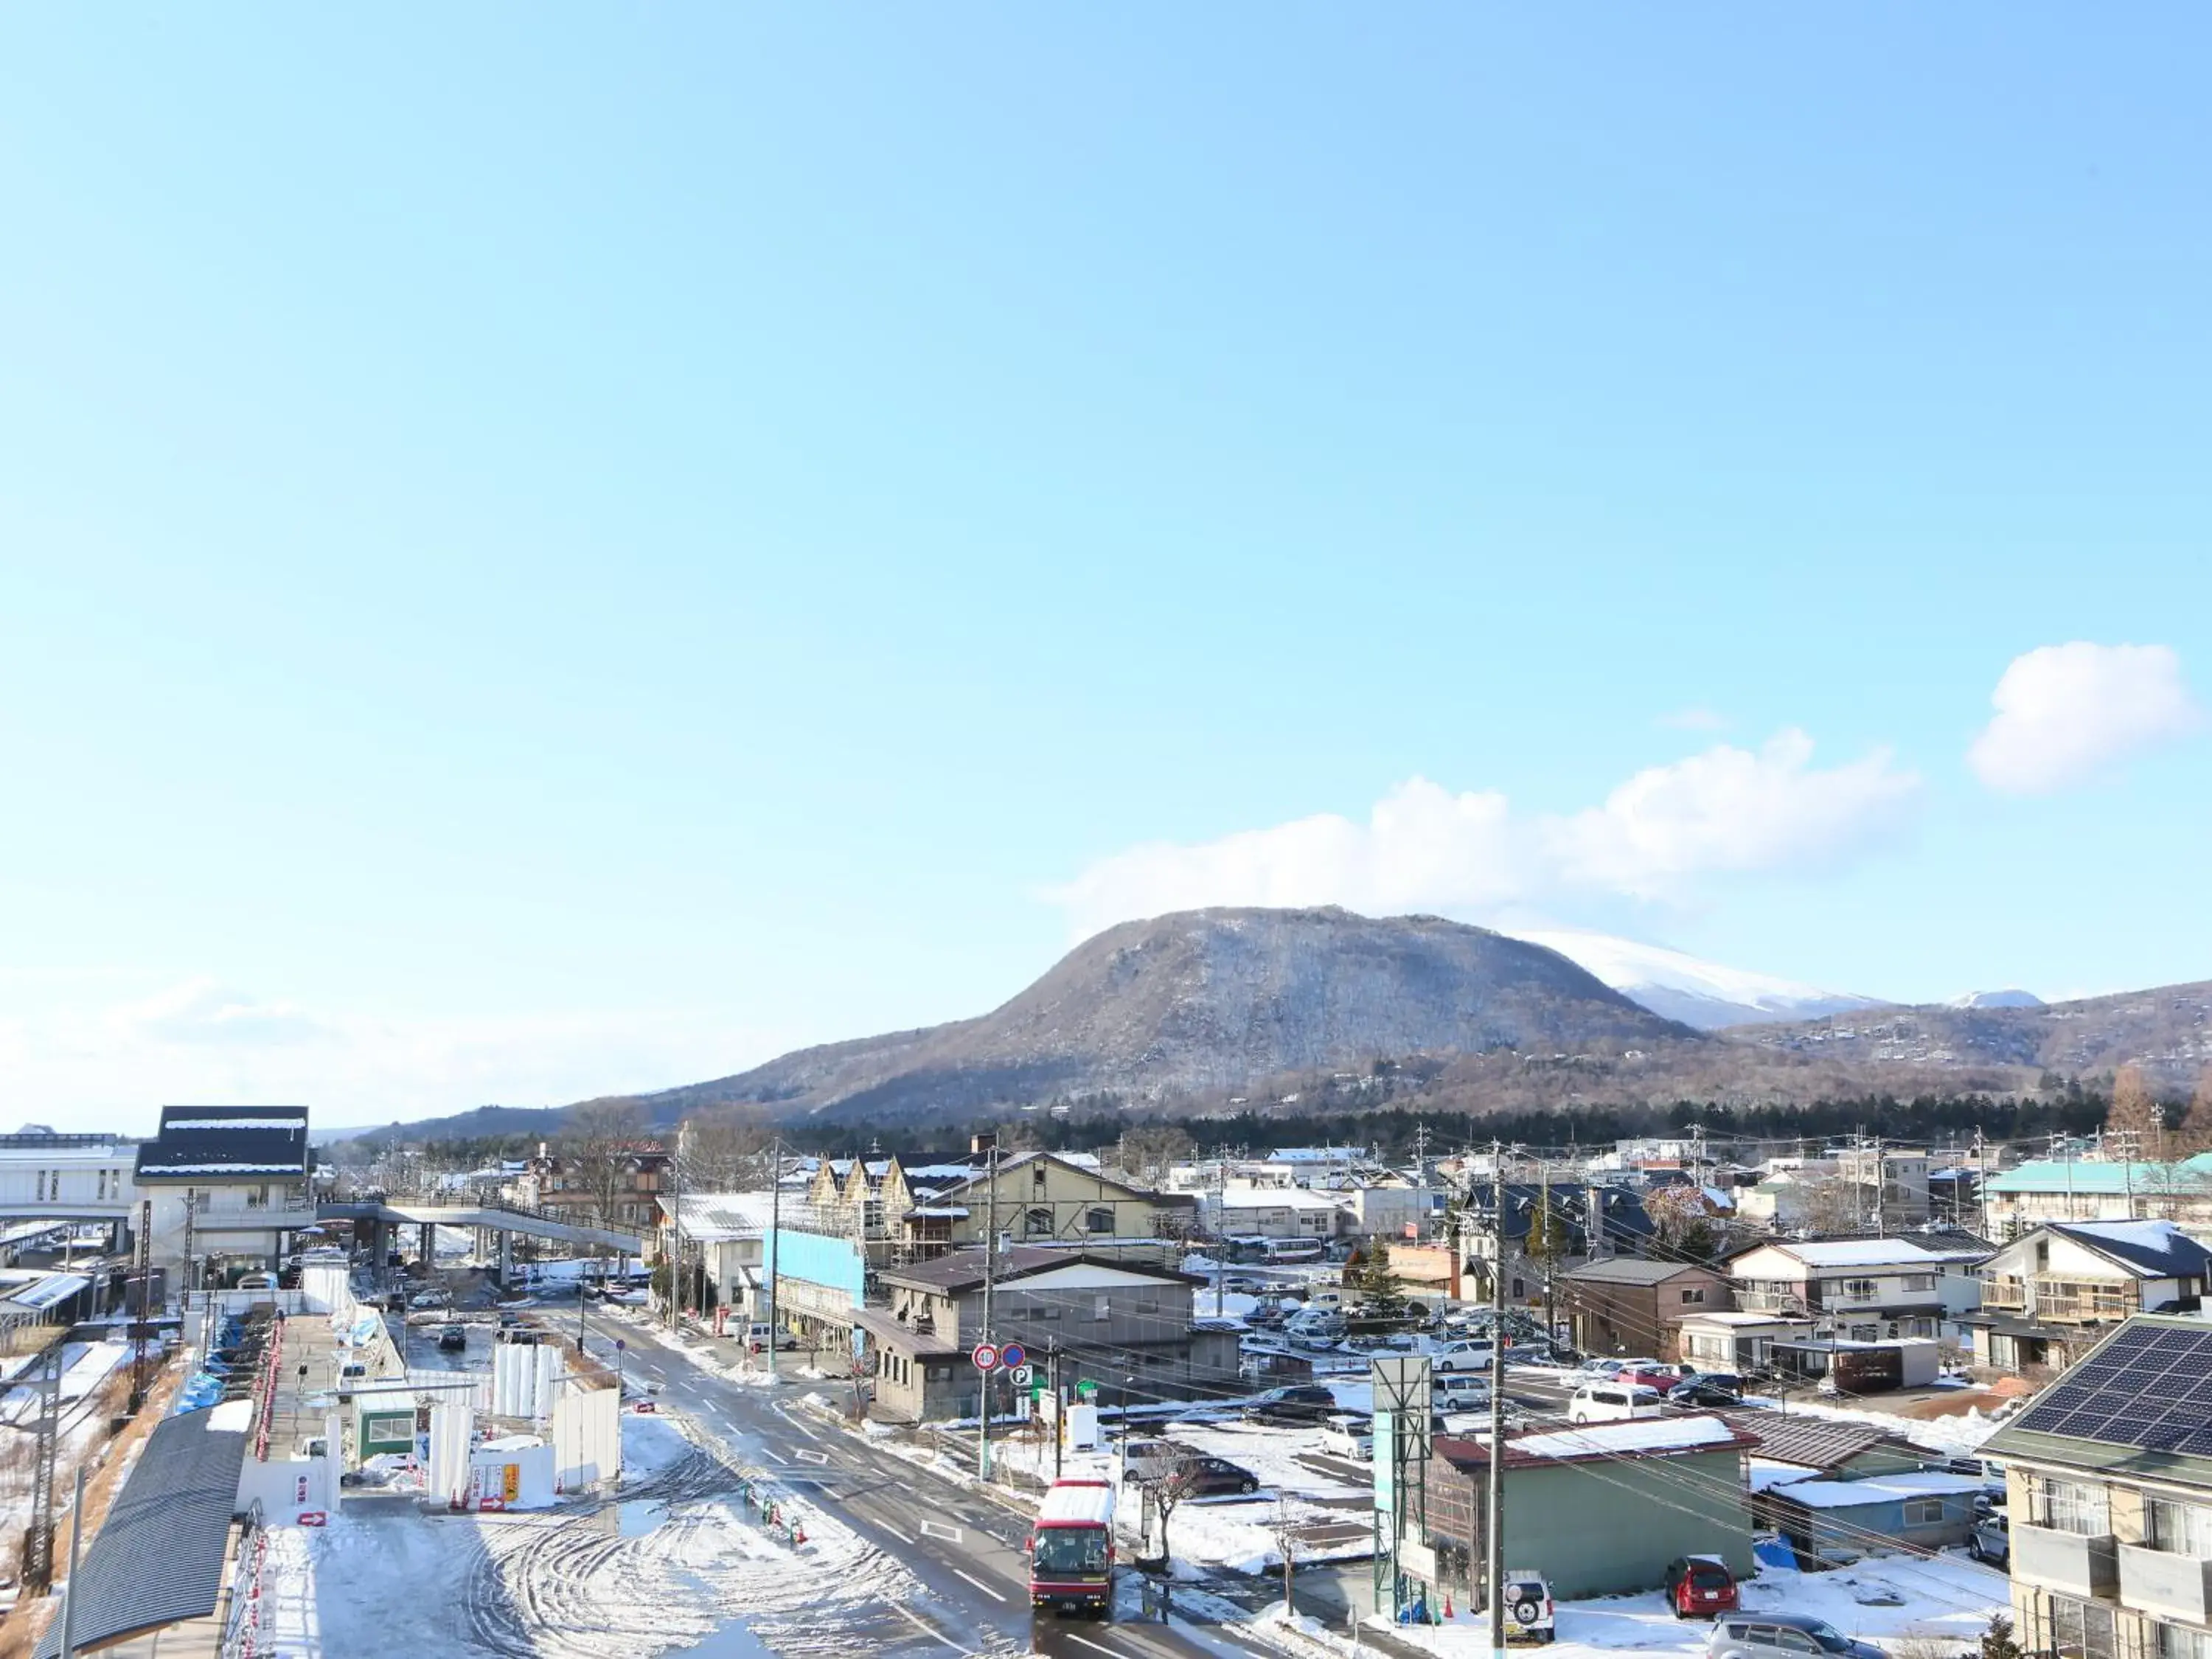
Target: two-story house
x=1039, y=1198
x=1864, y=1290
x=228, y=1186
x=1123, y=1325
x=1625, y=1305
x=2052, y=1294
x=2108, y=1480
x=618, y=1187
x=2100, y=1189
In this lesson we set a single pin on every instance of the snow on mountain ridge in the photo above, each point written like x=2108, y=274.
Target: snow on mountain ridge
x=2013, y=997
x=1705, y=995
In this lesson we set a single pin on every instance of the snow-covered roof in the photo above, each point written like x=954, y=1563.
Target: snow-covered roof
x=720, y=1218
x=1737, y=1316
x=1655, y=1434
x=1877, y=1489
x=1860, y=1253
x=2150, y=1249
x=1275, y=1198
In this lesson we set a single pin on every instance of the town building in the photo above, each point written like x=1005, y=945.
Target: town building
x=229, y=1186
x=1736, y=1340
x=1864, y=1290
x=1831, y=1522
x=1038, y=1198
x=722, y=1239
x=2108, y=1475
x=1124, y=1325
x=1602, y=1508
x=1272, y=1213
x=2055, y=1292
x=65, y=1178
x=619, y=1186
x=2100, y=1189
x=1628, y=1305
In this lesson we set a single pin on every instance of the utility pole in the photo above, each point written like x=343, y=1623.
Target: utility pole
x=1220, y=1213
x=39, y=1537
x=1982, y=1179
x=675, y=1227
x=69, y=1590
x=1059, y=1403
x=990, y=1261
x=775, y=1226
x=1494, y=1532
x=144, y=1259
x=192, y=1214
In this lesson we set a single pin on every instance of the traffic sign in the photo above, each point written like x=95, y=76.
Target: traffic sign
x=620, y=1344
x=986, y=1357
x=1024, y=1374
x=1012, y=1356
x=1086, y=1389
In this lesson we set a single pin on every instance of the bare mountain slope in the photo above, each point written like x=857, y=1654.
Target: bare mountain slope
x=1211, y=1000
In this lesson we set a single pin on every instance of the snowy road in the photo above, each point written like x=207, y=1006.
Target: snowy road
x=967, y=1579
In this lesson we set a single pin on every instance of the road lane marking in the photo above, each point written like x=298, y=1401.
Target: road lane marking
x=926, y=1628
x=811, y=1456
x=996, y=1595
x=895, y=1532
x=1096, y=1647
x=939, y=1529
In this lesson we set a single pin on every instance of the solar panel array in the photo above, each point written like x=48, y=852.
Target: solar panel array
x=2150, y=1388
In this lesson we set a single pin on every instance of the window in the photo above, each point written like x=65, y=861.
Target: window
x=1099, y=1220
x=2178, y=1528
x=1037, y=1177
x=2072, y=1506
x=2175, y=1642
x=1916, y=1282
x=1103, y=1309
x=1795, y=1641
x=1860, y=1289
x=1692, y=1294
x=2080, y=1630
x=1037, y=1223
x=1924, y=1513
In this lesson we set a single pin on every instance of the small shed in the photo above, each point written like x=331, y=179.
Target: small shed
x=1832, y=1522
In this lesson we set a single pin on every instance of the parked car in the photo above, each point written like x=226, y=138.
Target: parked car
x=453, y=1337
x=1700, y=1586
x=1459, y=1354
x=430, y=1299
x=759, y=1334
x=1529, y=1613
x=1658, y=1377
x=1732, y=1380
x=1460, y=1391
x=1144, y=1459
x=1347, y=1436
x=1296, y=1402
x=1265, y=1317
x=1992, y=1539
x=1703, y=1391
x=1775, y=1635
x=1245, y=1284
x=1612, y=1402
x=1217, y=1477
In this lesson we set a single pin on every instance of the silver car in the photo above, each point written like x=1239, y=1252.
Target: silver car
x=1783, y=1636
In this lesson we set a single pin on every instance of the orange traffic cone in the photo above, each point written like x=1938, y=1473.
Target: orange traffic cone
x=1448, y=1612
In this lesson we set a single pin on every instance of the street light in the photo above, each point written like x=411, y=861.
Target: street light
x=620, y=1344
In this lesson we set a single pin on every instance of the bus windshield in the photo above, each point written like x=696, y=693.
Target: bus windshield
x=1071, y=1549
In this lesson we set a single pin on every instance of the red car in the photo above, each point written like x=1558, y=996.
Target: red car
x=1698, y=1587
x=1661, y=1377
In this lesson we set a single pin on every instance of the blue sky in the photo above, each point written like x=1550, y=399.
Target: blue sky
x=556, y=553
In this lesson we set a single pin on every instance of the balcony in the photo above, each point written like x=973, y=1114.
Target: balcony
x=2071, y=1563
x=2171, y=1586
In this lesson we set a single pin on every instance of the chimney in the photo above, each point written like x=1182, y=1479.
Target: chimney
x=979, y=1143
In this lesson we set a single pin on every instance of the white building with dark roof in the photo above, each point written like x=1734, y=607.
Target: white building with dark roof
x=229, y=1186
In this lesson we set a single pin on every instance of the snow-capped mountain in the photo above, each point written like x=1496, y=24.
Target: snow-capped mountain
x=2013, y=999
x=1700, y=994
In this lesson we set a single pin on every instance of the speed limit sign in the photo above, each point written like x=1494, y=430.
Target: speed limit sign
x=1023, y=1376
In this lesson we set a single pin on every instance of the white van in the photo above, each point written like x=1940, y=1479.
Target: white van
x=1459, y=1391
x=1612, y=1402
x=258, y=1282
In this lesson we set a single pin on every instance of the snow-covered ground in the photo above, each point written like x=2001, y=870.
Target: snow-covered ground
x=1946, y=1602
x=670, y=1567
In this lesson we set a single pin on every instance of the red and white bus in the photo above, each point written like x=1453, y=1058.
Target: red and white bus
x=1072, y=1547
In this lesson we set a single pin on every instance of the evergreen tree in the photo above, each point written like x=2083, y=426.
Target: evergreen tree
x=1998, y=1641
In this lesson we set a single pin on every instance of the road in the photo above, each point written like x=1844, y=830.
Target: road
x=963, y=1546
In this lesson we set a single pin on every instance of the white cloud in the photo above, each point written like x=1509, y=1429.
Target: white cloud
x=1422, y=847
x=1730, y=809
x=2066, y=711
x=1695, y=719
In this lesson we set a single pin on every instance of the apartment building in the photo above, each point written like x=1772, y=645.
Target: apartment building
x=2100, y=1189
x=1866, y=1289
x=1038, y=1198
x=2109, y=1474
x=2051, y=1294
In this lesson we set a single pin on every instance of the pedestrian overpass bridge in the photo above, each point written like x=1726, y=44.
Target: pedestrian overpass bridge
x=487, y=1217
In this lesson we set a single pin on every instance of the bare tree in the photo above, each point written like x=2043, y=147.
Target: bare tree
x=2195, y=1133
x=1282, y=1531
x=1166, y=1483
x=601, y=1147
x=723, y=1156
x=1148, y=1151
x=1833, y=1205
x=2134, y=1112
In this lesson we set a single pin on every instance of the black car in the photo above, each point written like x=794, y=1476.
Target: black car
x=1301, y=1402
x=1703, y=1391
x=453, y=1337
x=1217, y=1477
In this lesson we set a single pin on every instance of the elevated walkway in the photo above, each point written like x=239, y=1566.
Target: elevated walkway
x=493, y=1218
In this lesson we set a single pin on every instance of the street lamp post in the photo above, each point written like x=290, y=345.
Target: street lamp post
x=620, y=1344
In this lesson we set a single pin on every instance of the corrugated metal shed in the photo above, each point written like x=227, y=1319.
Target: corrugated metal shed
x=158, y=1560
